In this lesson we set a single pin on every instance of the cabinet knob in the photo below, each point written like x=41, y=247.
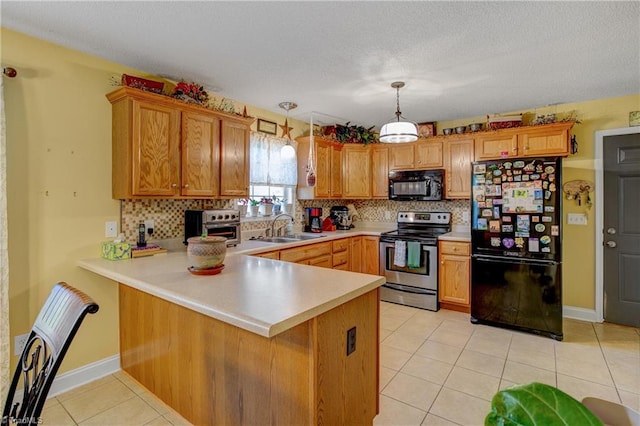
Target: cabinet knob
x=442, y=262
x=186, y=185
x=174, y=185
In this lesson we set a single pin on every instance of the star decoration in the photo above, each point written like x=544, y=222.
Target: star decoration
x=286, y=129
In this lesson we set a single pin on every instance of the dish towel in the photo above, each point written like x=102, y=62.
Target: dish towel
x=413, y=254
x=400, y=254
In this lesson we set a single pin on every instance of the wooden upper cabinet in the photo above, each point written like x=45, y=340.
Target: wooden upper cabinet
x=328, y=166
x=402, y=156
x=379, y=171
x=428, y=154
x=165, y=148
x=234, y=159
x=496, y=145
x=200, y=155
x=147, y=158
x=530, y=141
x=458, y=157
x=356, y=171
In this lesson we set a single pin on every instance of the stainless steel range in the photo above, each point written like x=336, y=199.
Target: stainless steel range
x=409, y=259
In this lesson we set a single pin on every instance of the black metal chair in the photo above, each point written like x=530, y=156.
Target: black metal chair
x=47, y=344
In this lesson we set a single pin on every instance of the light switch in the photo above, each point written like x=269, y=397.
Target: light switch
x=576, y=219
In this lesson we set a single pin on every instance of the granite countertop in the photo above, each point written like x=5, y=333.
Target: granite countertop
x=458, y=233
x=260, y=295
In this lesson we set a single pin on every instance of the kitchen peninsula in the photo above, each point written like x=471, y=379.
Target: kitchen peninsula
x=264, y=342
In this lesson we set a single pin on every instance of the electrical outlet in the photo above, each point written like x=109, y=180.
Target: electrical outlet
x=19, y=342
x=465, y=216
x=111, y=229
x=351, y=340
x=149, y=224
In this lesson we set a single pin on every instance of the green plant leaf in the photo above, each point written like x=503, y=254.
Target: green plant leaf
x=537, y=404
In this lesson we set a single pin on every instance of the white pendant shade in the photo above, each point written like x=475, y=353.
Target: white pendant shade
x=399, y=132
x=287, y=152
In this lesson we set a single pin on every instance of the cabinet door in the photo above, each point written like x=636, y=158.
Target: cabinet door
x=200, y=154
x=496, y=145
x=545, y=141
x=323, y=170
x=370, y=255
x=401, y=156
x=356, y=172
x=356, y=254
x=234, y=159
x=321, y=261
x=155, y=149
x=336, y=172
x=459, y=155
x=379, y=172
x=454, y=279
x=428, y=155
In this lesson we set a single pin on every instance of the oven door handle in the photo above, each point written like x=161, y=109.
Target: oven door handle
x=409, y=289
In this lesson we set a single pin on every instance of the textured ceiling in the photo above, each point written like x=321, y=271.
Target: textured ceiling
x=458, y=59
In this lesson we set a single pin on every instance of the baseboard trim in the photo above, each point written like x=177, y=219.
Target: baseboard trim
x=72, y=379
x=581, y=314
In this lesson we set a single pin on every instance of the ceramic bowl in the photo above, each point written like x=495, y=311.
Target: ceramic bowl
x=207, y=252
x=475, y=127
x=447, y=131
x=461, y=129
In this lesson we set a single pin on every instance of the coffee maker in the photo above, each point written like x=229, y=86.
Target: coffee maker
x=313, y=219
x=340, y=217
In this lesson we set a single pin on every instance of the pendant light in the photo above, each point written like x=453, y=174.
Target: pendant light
x=287, y=152
x=398, y=131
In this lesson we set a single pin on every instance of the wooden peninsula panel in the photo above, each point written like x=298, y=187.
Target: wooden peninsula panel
x=212, y=372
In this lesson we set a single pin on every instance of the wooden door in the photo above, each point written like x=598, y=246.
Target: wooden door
x=401, y=156
x=551, y=140
x=323, y=169
x=356, y=254
x=234, y=159
x=459, y=155
x=379, y=172
x=621, y=163
x=155, y=149
x=428, y=154
x=336, y=171
x=370, y=255
x=200, y=154
x=496, y=145
x=356, y=171
x=454, y=279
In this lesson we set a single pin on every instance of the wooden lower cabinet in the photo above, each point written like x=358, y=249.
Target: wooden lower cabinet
x=212, y=372
x=370, y=255
x=454, y=283
x=312, y=254
x=356, y=254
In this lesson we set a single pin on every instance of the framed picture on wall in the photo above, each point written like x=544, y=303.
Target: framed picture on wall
x=268, y=127
x=426, y=130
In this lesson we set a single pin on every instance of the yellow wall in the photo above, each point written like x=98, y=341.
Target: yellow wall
x=59, y=182
x=578, y=244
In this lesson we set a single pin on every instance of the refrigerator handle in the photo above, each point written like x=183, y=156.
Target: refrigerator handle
x=518, y=261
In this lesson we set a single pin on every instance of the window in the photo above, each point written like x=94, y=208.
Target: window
x=270, y=175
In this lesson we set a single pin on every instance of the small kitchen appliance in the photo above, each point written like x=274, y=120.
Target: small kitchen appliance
x=215, y=222
x=313, y=219
x=340, y=217
x=409, y=259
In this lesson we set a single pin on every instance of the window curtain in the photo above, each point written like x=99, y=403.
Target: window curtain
x=266, y=165
x=4, y=258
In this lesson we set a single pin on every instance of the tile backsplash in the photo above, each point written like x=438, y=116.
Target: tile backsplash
x=168, y=215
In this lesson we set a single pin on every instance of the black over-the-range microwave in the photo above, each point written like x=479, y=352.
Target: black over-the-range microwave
x=416, y=185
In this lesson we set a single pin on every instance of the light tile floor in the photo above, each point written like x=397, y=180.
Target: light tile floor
x=436, y=369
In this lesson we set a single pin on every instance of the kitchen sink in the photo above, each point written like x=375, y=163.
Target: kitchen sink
x=290, y=238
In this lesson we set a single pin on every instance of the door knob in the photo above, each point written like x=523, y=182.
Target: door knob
x=611, y=231
x=611, y=243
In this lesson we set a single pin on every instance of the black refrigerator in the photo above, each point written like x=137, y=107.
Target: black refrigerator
x=516, y=263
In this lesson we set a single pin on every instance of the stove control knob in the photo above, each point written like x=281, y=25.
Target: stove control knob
x=233, y=216
x=219, y=217
x=226, y=216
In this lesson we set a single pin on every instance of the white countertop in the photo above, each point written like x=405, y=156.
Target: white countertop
x=458, y=233
x=260, y=295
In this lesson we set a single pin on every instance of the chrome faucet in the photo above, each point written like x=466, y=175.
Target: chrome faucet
x=273, y=223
